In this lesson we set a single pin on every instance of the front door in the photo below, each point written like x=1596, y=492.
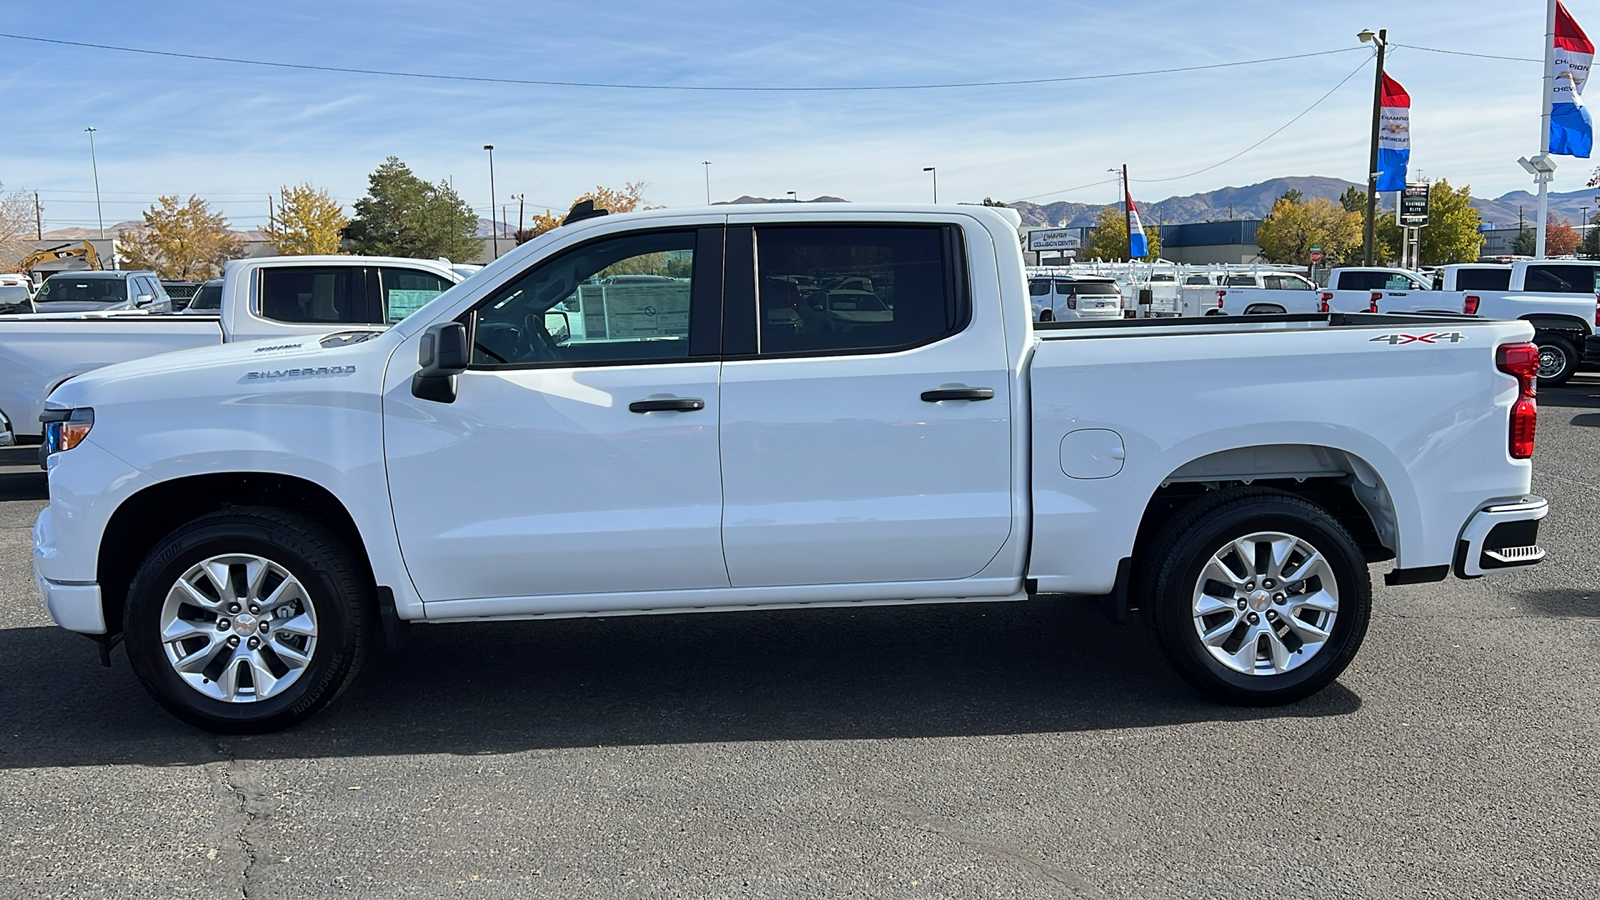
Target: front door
x=580, y=455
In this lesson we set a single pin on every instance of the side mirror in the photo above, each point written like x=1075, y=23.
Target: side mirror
x=442, y=355
x=144, y=299
x=558, y=326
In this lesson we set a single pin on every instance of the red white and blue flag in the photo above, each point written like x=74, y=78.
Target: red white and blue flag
x=1138, y=244
x=1571, y=128
x=1394, y=135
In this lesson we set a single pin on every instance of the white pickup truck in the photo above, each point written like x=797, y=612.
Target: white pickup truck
x=251, y=519
x=277, y=297
x=1253, y=292
x=1560, y=297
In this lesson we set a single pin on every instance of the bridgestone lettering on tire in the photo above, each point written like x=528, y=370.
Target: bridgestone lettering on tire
x=247, y=621
x=1258, y=596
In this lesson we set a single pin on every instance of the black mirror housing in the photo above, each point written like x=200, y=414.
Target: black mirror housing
x=442, y=355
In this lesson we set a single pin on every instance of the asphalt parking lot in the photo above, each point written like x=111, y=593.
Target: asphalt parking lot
x=1027, y=750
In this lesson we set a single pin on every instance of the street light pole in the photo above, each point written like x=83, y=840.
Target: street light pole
x=494, y=229
x=96, y=165
x=935, y=171
x=707, y=165
x=1382, y=40
x=793, y=197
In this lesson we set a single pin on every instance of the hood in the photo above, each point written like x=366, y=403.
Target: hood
x=66, y=306
x=250, y=365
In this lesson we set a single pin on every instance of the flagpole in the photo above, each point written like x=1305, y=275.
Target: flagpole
x=1544, y=121
x=1127, y=206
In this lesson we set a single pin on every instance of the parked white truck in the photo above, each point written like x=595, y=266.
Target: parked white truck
x=1559, y=297
x=277, y=297
x=250, y=519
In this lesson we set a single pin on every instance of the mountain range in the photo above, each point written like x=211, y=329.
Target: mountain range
x=1255, y=200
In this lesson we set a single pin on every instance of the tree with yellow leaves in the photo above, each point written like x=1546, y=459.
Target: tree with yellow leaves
x=181, y=241
x=1294, y=226
x=1109, y=238
x=611, y=200
x=308, y=222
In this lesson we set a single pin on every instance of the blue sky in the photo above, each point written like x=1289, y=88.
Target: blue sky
x=234, y=134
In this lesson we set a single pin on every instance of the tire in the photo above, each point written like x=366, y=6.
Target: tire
x=1046, y=316
x=1275, y=668
x=247, y=669
x=1558, y=359
x=1264, y=309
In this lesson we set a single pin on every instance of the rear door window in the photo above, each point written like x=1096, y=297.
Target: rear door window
x=333, y=294
x=1483, y=279
x=918, y=287
x=1038, y=288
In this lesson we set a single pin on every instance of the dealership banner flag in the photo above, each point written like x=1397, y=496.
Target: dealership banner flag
x=1394, y=135
x=1571, y=128
x=1138, y=244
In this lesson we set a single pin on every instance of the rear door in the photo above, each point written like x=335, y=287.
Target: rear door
x=862, y=450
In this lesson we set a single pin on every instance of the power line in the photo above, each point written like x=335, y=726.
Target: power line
x=1269, y=137
x=1465, y=53
x=1229, y=159
x=665, y=87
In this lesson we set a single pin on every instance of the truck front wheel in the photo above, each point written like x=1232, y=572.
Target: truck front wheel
x=1258, y=596
x=1558, y=358
x=247, y=620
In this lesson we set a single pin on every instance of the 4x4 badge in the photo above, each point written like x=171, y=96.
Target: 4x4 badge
x=1435, y=337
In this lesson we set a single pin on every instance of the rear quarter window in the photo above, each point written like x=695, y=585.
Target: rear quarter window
x=1558, y=279
x=1483, y=279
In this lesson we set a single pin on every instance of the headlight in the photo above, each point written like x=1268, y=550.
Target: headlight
x=64, y=429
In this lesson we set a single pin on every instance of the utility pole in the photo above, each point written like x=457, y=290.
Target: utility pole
x=707, y=164
x=38, y=218
x=493, y=229
x=272, y=220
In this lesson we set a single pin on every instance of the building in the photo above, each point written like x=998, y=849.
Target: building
x=1228, y=241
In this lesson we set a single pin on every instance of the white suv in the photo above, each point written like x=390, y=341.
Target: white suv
x=1075, y=297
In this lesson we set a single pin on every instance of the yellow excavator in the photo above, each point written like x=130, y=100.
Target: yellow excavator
x=63, y=251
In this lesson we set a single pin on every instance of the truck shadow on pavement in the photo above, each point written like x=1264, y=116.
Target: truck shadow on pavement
x=1582, y=392
x=1562, y=602
x=905, y=672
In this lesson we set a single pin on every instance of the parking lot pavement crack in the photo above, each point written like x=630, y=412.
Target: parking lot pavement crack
x=946, y=828
x=246, y=789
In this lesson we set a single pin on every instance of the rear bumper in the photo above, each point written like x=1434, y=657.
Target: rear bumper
x=1591, y=349
x=1501, y=536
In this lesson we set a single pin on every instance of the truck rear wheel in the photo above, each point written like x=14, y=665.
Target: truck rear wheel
x=1258, y=596
x=247, y=621
x=1558, y=359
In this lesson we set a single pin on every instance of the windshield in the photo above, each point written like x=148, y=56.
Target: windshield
x=208, y=297
x=1087, y=288
x=13, y=295
x=97, y=290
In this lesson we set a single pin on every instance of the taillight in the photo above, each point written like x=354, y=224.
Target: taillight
x=1597, y=310
x=1220, y=295
x=1372, y=302
x=1469, y=306
x=1072, y=301
x=1521, y=361
x=1322, y=301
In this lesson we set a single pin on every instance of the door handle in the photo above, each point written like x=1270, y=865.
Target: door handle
x=672, y=404
x=958, y=394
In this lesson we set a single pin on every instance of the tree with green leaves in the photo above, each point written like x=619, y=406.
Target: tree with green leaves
x=307, y=222
x=402, y=215
x=1293, y=227
x=1354, y=199
x=1525, y=244
x=1109, y=238
x=1453, y=233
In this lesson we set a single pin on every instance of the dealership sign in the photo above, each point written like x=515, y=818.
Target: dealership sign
x=1051, y=239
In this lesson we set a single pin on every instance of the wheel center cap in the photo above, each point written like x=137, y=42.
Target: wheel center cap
x=1259, y=600
x=244, y=623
